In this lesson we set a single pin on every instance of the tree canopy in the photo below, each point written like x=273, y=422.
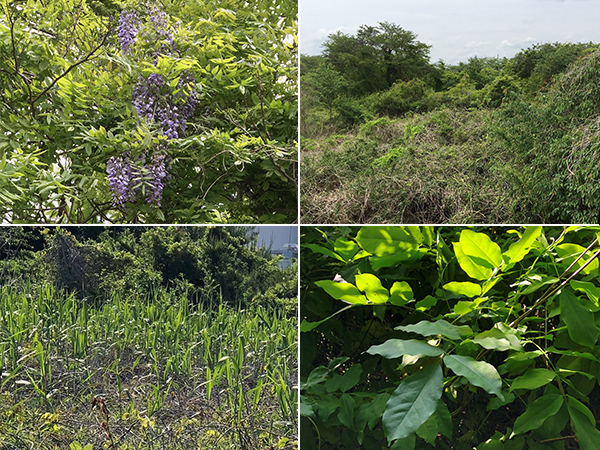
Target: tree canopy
x=377, y=56
x=142, y=111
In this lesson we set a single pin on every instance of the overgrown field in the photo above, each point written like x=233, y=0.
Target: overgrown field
x=437, y=167
x=143, y=372
x=172, y=366
x=487, y=141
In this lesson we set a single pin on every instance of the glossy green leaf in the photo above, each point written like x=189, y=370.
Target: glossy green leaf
x=477, y=255
x=495, y=339
x=590, y=289
x=401, y=293
x=387, y=240
x=570, y=252
x=395, y=348
x=323, y=250
x=371, y=286
x=533, y=379
x=517, y=251
x=429, y=429
x=345, y=248
x=413, y=401
x=479, y=373
x=345, y=292
x=466, y=288
x=585, y=429
x=407, y=443
x=579, y=319
x=537, y=412
x=426, y=303
x=427, y=328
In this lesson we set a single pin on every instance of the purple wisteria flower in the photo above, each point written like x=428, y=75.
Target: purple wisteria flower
x=158, y=175
x=155, y=101
x=121, y=176
x=129, y=23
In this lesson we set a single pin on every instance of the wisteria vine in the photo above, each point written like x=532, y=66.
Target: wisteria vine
x=157, y=103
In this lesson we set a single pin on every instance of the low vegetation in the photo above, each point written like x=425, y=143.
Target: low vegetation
x=487, y=141
x=145, y=355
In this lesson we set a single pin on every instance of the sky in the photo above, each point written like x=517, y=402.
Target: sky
x=456, y=29
x=281, y=234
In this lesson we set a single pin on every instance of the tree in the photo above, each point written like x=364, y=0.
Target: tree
x=377, y=56
x=135, y=111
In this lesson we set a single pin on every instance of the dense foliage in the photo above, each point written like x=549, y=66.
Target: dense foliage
x=142, y=111
x=132, y=338
x=490, y=140
x=454, y=338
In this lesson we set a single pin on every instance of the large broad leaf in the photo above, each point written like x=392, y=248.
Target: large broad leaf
x=477, y=255
x=570, y=252
x=498, y=339
x=401, y=293
x=533, y=379
x=517, y=251
x=537, y=412
x=585, y=430
x=324, y=251
x=411, y=404
x=346, y=413
x=579, y=320
x=479, y=373
x=345, y=248
x=466, y=288
x=395, y=348
x=385, y=241
x=590, y=289
x=345, y=292
x=371, y=286
x=427, y=328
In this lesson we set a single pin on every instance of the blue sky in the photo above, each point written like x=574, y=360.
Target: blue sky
x=457, y=29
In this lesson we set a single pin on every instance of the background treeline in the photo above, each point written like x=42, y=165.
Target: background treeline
x=491, y=140
x=208, y=263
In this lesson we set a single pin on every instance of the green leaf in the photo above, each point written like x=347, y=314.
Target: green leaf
x=537, y=412
x=533, y=379
x=444, y=420
x=345, y=292
x=585, y=430
x=569, y=252
x=427, y=328
x=429, y=430
x=407, y=443
x=426, y=303
x=350, y=378
x=371, y=286
x=412, y=403
x=479, y=373
x=579, y=320
x=395, y=348
x=345, y=248
x=384, y=241
x=590, y=289
x=324, y=251
x=466, y=288
x=477, y=255
x=346, y=414
x=401, y=293
x=517, y=251
x=376, y=409
x=496, y=339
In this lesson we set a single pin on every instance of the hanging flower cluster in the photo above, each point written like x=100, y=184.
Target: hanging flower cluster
x=129, y=23
x=156, y=102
